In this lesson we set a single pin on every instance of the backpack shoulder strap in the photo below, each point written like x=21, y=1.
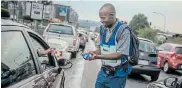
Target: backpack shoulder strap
x=101, y=31
x=122, y=28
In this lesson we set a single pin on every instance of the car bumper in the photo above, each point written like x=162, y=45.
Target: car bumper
x=143, y=69
x=66, y=55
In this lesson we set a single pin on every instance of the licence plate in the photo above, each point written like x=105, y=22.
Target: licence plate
x=143, y=62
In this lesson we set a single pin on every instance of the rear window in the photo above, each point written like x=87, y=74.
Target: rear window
x=61, y=29
x=57, y=46
x=178, y=50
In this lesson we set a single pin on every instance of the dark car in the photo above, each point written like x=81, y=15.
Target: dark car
x=21, y=66
x=170, y=82
x=147, y=60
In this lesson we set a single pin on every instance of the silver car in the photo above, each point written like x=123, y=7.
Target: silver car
x=63, y=32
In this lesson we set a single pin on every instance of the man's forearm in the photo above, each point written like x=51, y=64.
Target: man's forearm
x=113, y=56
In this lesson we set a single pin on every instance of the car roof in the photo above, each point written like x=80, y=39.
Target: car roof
x=8, y=22
x=144, y=39
x=174, y=45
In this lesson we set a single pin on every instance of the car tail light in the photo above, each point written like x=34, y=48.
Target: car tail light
x=61, y=53
x=74, y=41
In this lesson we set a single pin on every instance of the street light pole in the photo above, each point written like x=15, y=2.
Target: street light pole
x=164, y=19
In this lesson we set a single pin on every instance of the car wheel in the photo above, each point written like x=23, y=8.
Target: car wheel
x=166, y=67
x=73, y=55
x=154, y=78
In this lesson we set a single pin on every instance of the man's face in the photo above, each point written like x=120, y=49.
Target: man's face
x=107, y=17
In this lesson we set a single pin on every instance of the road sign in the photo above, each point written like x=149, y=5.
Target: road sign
x=36, y=12
x=63, y=11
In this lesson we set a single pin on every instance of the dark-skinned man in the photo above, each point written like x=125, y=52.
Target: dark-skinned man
x=113, y=54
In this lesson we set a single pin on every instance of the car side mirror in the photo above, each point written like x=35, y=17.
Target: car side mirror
x=170, y=82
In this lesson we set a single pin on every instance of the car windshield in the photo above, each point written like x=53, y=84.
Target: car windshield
x=146, y=46
x=61, y=29
x=178, y=50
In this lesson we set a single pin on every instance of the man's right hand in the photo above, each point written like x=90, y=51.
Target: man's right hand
x=97, y=52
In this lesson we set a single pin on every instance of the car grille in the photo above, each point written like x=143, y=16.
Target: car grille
x=154, y=63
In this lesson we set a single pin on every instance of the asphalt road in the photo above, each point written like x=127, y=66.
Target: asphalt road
x=83, y=74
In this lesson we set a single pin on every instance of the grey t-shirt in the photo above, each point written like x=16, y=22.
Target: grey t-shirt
x=123, y=43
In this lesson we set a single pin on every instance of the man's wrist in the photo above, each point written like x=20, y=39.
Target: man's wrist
x=98, y=57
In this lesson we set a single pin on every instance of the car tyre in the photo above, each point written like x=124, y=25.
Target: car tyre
x=154, y=78
x=73, y=55
x=166, y=68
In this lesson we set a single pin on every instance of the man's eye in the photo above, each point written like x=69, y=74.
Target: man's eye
x=103, y=17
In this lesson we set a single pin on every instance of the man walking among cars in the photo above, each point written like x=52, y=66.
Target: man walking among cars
x=115, y=47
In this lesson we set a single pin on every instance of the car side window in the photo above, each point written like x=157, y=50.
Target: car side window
x=17, y=61
x=44, y=60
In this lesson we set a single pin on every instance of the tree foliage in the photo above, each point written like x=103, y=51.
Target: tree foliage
x=139, y=22
x=147, y=33
x=4, y=13
x=27, y=17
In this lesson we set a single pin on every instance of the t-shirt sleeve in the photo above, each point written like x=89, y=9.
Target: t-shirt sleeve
x=123, y=44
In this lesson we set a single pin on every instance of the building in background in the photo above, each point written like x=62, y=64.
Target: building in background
x=41, y=10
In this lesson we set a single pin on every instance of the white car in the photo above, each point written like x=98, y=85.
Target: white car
x=61, y=47
x=63, y=32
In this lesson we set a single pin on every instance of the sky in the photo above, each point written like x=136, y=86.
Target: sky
x=125, y=10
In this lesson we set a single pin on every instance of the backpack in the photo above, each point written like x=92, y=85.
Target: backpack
x=134, y=51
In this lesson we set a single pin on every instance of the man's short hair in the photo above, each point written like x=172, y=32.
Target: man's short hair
x=112, y=8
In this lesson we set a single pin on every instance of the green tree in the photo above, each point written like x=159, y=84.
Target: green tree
x=5, y=13
x=139, y=22
x=147, y=33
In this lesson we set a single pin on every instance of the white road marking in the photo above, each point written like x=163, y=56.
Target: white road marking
x=77, y=74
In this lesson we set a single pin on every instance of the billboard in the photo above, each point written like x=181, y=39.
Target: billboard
x=62, y=11
x=47, y=11
x=36, y=11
